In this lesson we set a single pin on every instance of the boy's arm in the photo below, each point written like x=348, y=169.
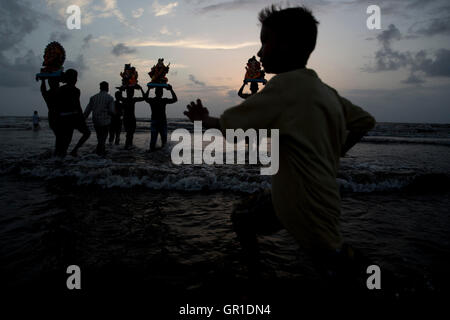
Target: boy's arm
x=358, y=123
x=240, y=94
x=259, y=111
x=141, y=98
x=196, y=112
x=111, y=108
x=44, y=92
x=121, y=98
x=43, y=86
x=174, y=96
x=88, y=109
x=146, y=94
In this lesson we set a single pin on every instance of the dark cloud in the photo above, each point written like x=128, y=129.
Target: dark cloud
x=418, y=63
x=440, y=66
x=77, y=64
x=86, y=41
x=259, y=4
x=387, y=36
x=195, y=81
x=437, y=26
x=120, y=49
x=17, y=20
x=228, y=5
x=21, y=72
x=60, y=36
x=413, y=79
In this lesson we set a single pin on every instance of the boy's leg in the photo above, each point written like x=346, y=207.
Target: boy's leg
x=102, y=139
x=252, y=217
x=130, y=127
x=97, y=133
x=86, y=133
x=111, y=132
x=118, y=130
x=63, y=134
x=153, y=135
x=163, y=132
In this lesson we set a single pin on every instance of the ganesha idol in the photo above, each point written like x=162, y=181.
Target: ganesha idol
x=158, y=75
x=54, y=57
x=253, y=71
x=129, y=77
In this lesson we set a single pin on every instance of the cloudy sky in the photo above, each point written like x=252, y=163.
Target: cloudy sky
x=399, y=73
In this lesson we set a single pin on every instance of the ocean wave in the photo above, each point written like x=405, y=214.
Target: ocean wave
x=155, y=171
x=411, y=140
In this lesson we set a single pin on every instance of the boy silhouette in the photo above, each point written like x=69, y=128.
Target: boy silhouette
x=316, y=127
x=116, y=120
x=51, y=99
x=70, y=114
x=102, y=107
x=129, y=117
x=159, y=119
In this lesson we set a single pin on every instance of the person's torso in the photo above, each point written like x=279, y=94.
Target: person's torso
x=51, y=99
x=118, y=108
x=128, y=106
x=158, y=107
x=68, y=100
x=101, y=113
x=312, y=130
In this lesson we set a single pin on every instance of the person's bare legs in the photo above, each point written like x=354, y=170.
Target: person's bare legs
x=86, y=133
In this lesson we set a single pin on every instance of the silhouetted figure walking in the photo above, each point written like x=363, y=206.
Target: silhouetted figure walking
x=102, y=107
x=70, y=114
x=159, y=119
x=51, y=99
x=129, y=117
x=316, y=127
x=116, y=121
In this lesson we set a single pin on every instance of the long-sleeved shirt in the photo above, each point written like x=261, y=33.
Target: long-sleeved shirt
x=102, y=107
x=313, y=122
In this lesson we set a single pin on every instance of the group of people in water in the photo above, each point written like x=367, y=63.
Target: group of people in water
x=109, y=114
x=65, y=114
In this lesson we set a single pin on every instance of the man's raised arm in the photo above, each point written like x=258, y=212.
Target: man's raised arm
x=174, y=96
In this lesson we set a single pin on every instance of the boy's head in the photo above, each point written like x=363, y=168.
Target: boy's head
x=104, y=86
x=158, y=92
x=70, y=77
x=35, y=112
x=288, y=36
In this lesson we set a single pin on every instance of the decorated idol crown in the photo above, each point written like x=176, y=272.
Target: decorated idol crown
x=129, y=76
x=54, y=57
x=158, y=73
x=253, y=71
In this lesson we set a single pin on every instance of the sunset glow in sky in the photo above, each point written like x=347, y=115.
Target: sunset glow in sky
x=400, y=73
